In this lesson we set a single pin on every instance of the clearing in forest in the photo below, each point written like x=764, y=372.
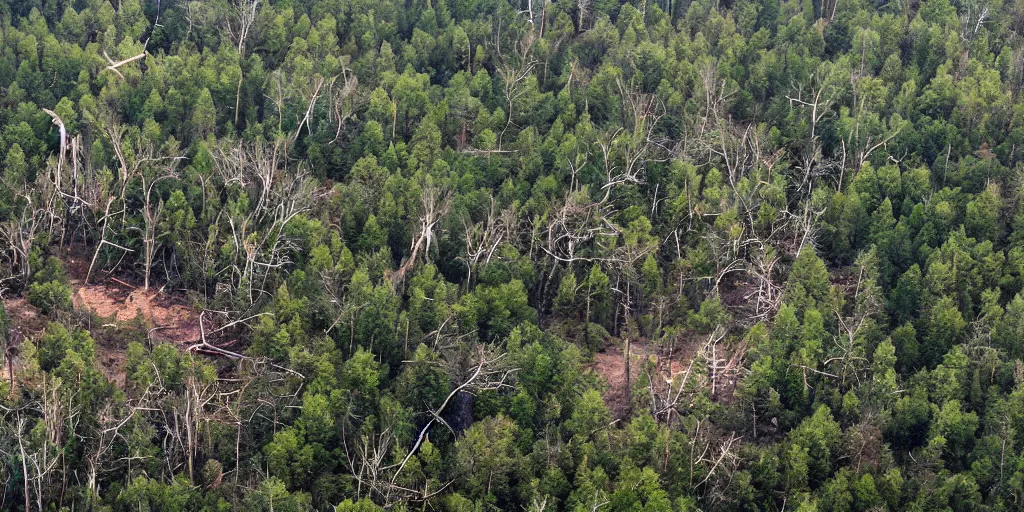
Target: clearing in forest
x=169, y=319
x=610, y=365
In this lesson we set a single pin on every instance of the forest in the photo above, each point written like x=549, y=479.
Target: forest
x=523, y=255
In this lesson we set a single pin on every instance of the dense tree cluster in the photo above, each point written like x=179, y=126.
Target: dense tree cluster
x=409, y=229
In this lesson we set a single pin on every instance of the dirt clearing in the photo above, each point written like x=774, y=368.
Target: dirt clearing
x=611, y=366
x=168, y=317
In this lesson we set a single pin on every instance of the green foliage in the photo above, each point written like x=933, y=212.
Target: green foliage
x=58, y=342
x=50, y=290
x=488, y=458
x=419, y=233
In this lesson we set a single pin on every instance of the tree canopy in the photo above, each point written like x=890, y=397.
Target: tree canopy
x=544, y=255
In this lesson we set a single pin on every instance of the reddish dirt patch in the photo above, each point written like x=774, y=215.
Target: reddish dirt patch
x=111, y=361
x=24, y=317
x=168, y=318
x=611, y=366
x=25, y=321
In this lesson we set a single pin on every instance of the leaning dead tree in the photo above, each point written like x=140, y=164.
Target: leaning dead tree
x=187, y=409
x=20, y=233
x=114, y=65
x=746, y=245
x=515, y=71
x=316, y=98
x=484, y=369
x=484, y=238
x=239, y=21
x=434, y=206
x=816, y=97
x=342, y=99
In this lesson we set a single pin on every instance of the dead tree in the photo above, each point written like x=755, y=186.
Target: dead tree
x=313, y=96
x=143, y=165
x=342, y=100
x=63, y=137
x=238, y=24
x=514, y=72
x=151, y=210
x=434, y=207
x=672, y=393
x=115, y=65
x=817, y=97
x=748, y=248
x=20, y=234
x=487, y=370
x=484, y=238
x=583, y=8
x=975, y=14
x=258, y=240
x=335, y=98
x=240, y=21
x=576, y=224
x=626, y=152
x=847, y=357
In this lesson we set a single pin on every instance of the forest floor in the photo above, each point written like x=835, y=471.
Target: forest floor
x=168, y=317
x=610, y=365
x=121, y=311
x=165, y=319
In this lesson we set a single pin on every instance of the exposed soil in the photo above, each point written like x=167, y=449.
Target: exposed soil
x=611, y=366
x=25, y=318
x=124, y=312
x=166, y=318
x=111, y=360
x=169, y=319
x=119, y=301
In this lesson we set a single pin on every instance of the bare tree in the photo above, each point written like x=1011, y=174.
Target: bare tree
x=258, y=240
x=514, y=70
x=240, y=20
x=144, y=165
x=115, y=65
x=487, y=370
x=151, y=211
x=817, y=97
x=484, y=238
x=19, y=235
x=974, y=15
x=342, y=99
x=434, y=206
